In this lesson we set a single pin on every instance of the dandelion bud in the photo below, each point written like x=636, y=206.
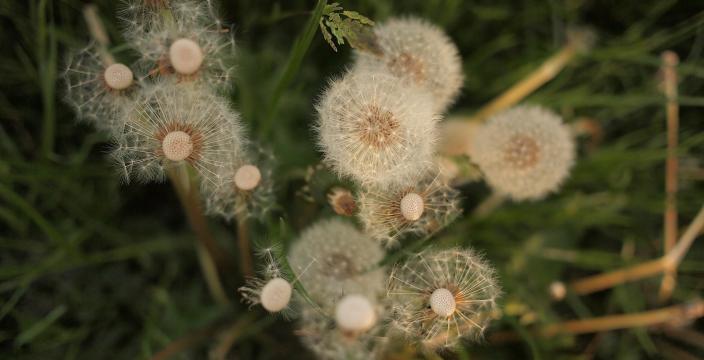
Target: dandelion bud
x=118, y=76
x=420, y=53
x=342, y=201
x=376, y=130
x=412, y=206
x=446, y=294
x=442, y=302
x=185, y=56
x=276, y=294
x=525, y=152
x=247, y=177
x=354, y=313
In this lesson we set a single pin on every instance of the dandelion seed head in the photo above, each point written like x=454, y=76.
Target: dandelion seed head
x=247, y=177
x=324, y=337
x=417, y=209
x=375, y=130
x=412, y=206
x=442, y=302
x=118, y=76
x=169, y=125
x=345, y=262
x=420, y=53
x=355, y=313
x=98, y=94
x=525, y=152
x=177, y=145
x=247, y=188
x=186, y=56
x=276, y=294
x=447, y=294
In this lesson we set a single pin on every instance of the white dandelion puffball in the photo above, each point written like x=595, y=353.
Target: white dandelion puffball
x=97, y=93
x=376, y=130
x=247, y=177
x=439, y=296
x=338, y=259
x=418, y=209
x=419, y=52
x=186, y=56
x=174, y=125
x=276, y=295
x=193, y=44
x=525, y=152
x=246, y=186
x=319, y=334
x=118, y=76
x=355, y=313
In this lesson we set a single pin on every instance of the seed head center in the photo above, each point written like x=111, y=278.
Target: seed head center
x=186, y=56
x=276, y=295
x=118, y=76
x=442, y=302
x=340, y=266
x=406, y=64
x=177, y=145
x=522, y=152
x=377, y=127
x=412, y=206
x=247, y=177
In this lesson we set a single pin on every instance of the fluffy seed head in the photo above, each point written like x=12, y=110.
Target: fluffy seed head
x=98, y=94
x=376, y=130
x=412, y=206
x=328, y=340
x=442, y=302
x=355, y=313
x=418, y=209
x=345, y=262
x=170, y=124
x=193, y=44
x=276, y=295
x=177, y=145
x=247, y=177
x=525, y=152
x=118, y=76
x=443, y=294
x=186, y=56
x=420, y=53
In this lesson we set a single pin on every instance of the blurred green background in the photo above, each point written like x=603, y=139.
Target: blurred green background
x=92, y=269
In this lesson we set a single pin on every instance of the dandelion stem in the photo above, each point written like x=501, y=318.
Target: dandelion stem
x=488, y=205
x=668, y=262
x=244, y=247
x=546, y=72
x=229, y=336
x=98, y=33
x=212, y=258
x=669, y=69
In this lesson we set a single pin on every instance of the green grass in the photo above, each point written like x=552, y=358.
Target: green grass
x=93, y=269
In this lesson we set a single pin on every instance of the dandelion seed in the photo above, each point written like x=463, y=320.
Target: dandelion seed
x=525, y=152
x=97, y=93
x=355, y=313
x=342, y=201
x=448, y=294
x=346, y=262
x=170, y=126
x=374, y=129
x=418, y=209
x=246, y=186
x=419, y=52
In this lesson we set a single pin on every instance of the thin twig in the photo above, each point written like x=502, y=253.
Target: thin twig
x=229, y=336
x=669, y=71
x=488, y=205
x=546, y=72
x=98, y=33
x=185, y=342
x=671, y=261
